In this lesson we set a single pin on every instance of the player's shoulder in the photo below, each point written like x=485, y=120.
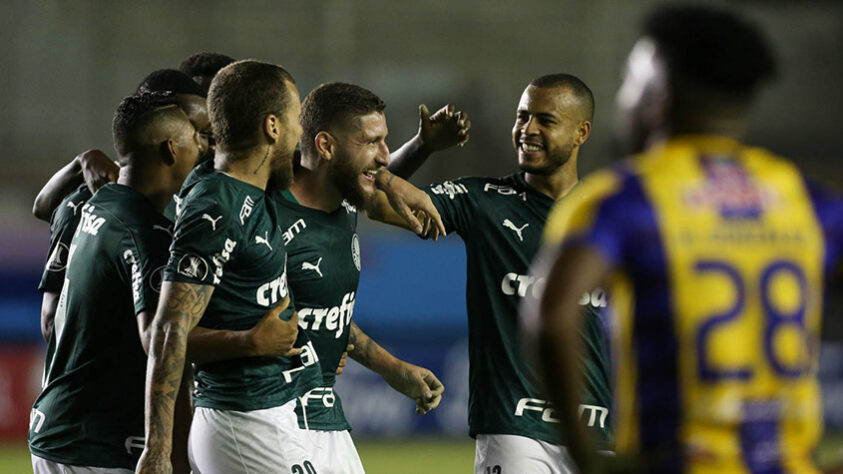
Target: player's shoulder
x=70, y=206
x=478, y=186
x=219, y=194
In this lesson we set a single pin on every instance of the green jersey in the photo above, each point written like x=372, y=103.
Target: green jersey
x=62, y=227
x=501, y=222
x=227, y=236
x=90, y=411
x=323, y=269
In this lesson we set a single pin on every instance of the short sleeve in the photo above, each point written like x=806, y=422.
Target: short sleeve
x=454, y=203
x=143, y=262
x=204, y=239
x=63, y=224
x=594, y=215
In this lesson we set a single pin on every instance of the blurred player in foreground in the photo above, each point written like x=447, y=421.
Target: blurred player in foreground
x=88, y=417
x=501, y=221
x=717, y=253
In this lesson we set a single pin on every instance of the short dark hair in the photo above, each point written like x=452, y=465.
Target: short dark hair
x=135, y=113
x=711, y=47
x=169, y=80
x=332, y=104
x=242, y=94
x=204, y=64
x=574, y=84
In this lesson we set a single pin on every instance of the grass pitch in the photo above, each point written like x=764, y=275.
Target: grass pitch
x=405, y=456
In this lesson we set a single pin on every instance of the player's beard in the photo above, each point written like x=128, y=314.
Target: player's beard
x=281, y=176
x=346, y=178
x=551, y=163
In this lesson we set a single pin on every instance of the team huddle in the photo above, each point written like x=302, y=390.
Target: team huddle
x=199, y=290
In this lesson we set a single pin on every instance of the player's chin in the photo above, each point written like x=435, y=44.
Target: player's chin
x=532, y=164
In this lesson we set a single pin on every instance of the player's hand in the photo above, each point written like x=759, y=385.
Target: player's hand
x=407, y=200
x=273, y=336
x=153, y=463
x=417, y=383
x=343, y=359
x=97, y=169
x=445, y=128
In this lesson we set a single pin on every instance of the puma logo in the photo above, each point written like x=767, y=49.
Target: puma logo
x=310, y=266
x=263, y=240
x=211, y=220
x=165, y=229
x=508, y=224
x=74, y=205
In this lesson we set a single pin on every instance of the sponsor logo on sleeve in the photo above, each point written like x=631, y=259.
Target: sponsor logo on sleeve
x=221, y=258
x=355, y=251
x=58, y=259
x=137, y=278
x=449, y=188
x=194, y=267
x=246, y=209
x=156, y=278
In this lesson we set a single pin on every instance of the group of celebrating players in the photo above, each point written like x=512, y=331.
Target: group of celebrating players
x=199, y=292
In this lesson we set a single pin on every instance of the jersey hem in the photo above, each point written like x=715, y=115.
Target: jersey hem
x=53, y=458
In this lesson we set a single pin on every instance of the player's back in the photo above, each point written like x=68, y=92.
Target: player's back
x=723, y=260
x=90, y=412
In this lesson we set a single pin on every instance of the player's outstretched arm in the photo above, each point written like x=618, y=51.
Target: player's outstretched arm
x=551, y=325
x=401, y=204
x=417, y=383
x=92, y=167
x=180, y=307
x=447, y=127
x=271, y=336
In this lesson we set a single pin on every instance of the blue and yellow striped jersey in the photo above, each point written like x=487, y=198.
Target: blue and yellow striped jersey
x=720, y=252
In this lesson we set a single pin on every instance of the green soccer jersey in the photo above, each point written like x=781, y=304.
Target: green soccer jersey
x=90, y=411
x=62, y=227
x=323, y=269
x=227, y=236
x=501, y=222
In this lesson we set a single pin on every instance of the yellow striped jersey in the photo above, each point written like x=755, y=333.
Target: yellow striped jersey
x=720, y=254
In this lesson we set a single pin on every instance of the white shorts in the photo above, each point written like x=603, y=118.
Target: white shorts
x=334, y=452
x=511, y=454
x=43, y=466
x=250, y=442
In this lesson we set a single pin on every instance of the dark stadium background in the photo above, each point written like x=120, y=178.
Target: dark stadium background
x=65, y=66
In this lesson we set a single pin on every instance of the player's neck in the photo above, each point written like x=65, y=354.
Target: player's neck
x=558, y=184
x=150, y=183
x=252, y=166
x=314, y=189
x=730, y=125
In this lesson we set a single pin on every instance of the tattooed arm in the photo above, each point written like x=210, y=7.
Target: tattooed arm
x=415, y=382
x=180, y=308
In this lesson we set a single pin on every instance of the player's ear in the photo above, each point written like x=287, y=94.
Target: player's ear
x=324, y=143
x=168, y=151
x=583, y=132
x=272, y=127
